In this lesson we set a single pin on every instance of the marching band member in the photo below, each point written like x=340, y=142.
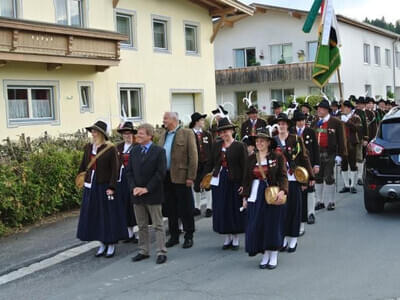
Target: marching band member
x=250, y=126
x=204, y=146
x=360, y=111
x=265, y=228
x=277, y=109
x=352, y=128
x=306, y=110
x=295, y=155
x=218, y=113
x=372, y=118
x=332, y=148
x=335, y=111
x=228, y=165
x=123, y=192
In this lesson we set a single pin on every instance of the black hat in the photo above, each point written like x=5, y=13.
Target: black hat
x=381, y=100
x=219, y=109
x=352, y=98
x=127, y=126
x=100, y=126
x=263, y=133
x=249, y=140
x=252, y=110
x=306, y=104
x=335, y=104
x=324, y=104
x=348, y=103
x=370, y=100
x=298, y=116
x=388, y=102
x=276, y=104
x=283, y=117
x=195, y=117
x=225, y=124
x=360, y=100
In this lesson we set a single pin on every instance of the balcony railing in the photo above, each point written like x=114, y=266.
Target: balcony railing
x=262, y=74
x=29, y=41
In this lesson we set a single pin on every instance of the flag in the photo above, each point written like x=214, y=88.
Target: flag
x=327, y=60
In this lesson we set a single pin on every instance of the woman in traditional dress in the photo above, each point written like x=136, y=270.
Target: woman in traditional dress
x=295, y=155
x=100, y=218
x=266, y=222
x=123, y=193
x=228, y=164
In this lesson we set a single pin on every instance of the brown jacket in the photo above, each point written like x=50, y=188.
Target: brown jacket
x=107, y=166
x=336, y=136
x=184, y=156
x=277, y=173
x=353, y=128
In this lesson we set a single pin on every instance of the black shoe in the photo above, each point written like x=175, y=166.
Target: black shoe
x=292, y=250
x=140, y=257
x=263, y=267
x=344, y=190
x=235, y=248
x=109, y=255
x=311, y=219
x=331, y=206
x=133, y=239
x=161, y=259
x=359, y=182
x=353, y=190
x=100, y=254
x=188, y=243
x=301, y=233
x=171, y=242
x=196, y=212
x=208, y=213
x=319, y=206
x=227, y=246
x=271, y=267
x=283, y=249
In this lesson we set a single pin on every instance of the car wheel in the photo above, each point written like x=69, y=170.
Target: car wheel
x=373, y=203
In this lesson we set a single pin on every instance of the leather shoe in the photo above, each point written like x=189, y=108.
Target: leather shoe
x=271, y=267
x=331, y=206
x=353, y=190
x=301, y=233
x=283, y=249
x=319, y=206
x=100, y=254
x=140, y=257
x=360, y=182
x=188, y=243
x=171, y=242
x=292, y=250
x=161, y=259
x=227, y=246
x=109, y=255
x=344, y=190
x=208, y=213
x=264, y=266
x=235, y=248
x=196, y=212
x=133, y=239
x=311, y=219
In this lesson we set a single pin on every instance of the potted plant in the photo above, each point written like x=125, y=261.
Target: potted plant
x=301, y=55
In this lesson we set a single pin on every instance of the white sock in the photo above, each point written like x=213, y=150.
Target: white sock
x=209, y=199
x=319, y=189
x=311, y=203
x=180, y=226
x=285, y=241
x=101, y=248
x=302, y=227
x=235, y=240
x=293, y=242
x=353, y=176
x=329, y=193
x=228, y=239
x=345, y=175
x=197, y=200
x=110, y=249
x=360, y=168
x=265, y=258
x=130, y=232
x=273, y=258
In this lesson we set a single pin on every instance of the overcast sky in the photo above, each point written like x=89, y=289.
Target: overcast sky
x=356, y=9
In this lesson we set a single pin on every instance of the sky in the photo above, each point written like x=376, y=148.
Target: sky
x=355, y=9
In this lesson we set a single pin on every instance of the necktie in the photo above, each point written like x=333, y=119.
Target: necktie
x=319, y=123
x=299, y=132
x=143, y=152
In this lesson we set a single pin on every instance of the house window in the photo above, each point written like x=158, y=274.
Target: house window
x=242, y=107
x=281, y=95
x=367, y=54
x=368, y=90
x=312, y=50
x=160, y=34
x=131, y=102
x=388, y=90
x=397, y=56
x=30, y=103
x=281, y=54
x=125, y=26
x=8, y=8
x=69, y=12
x=245, y=57
x=86, y=96
x=388, y=60
x=377, y=52
x=191, y=39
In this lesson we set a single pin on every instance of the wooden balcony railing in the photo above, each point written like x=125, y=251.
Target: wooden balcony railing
x=29, y=41
x=261, y=74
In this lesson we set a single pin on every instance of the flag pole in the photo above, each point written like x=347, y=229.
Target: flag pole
x=340, y=85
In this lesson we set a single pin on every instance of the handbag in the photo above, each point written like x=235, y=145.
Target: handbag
x=80, y=178
x=271, y=192
x=206, y=181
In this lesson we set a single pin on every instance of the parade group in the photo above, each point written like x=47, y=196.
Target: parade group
x=267, y=183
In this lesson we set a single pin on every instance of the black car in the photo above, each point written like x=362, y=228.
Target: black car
x=382, y=166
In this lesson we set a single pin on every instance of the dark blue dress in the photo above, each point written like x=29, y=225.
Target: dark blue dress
x=293, y=211
x=124, y=196
x=101, y=219
x=227, y=218
x=265, y=225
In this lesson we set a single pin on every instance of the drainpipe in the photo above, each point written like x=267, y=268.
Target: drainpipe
x=394, y=65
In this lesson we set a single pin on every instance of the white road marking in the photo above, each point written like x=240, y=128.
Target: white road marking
x=47, y=262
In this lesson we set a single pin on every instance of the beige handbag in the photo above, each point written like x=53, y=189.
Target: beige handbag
x=271, y=192
x=80, y=178
x=206, y=181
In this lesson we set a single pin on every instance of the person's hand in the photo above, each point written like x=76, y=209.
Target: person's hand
x=316, y=169
x=365, y=143
x=143, y=191
x=109, y=192
x=139, y=191
x=189, y=182
x=280, y=197
x=244, y=203
x=311, y=183
x=240, y=190
x=303, y=187
x=338, y=160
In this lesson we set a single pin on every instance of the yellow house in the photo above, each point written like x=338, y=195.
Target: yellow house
x=66, y=63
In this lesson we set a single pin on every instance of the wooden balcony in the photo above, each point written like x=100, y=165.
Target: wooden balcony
x=55, y=45
x=264, y=74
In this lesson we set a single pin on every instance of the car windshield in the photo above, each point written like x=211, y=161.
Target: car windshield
x=391, y=131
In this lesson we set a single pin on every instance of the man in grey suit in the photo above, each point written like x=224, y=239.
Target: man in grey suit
x=146, y=172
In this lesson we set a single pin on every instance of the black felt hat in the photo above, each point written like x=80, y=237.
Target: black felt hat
x=298, y=116
x=195, y=117
x=276, y=104
x=324, y=104
x=219, y=109
x=283, y=117
x=252, y=110
x=101, y=127
x=127, y=127
x=225, y=124
x=348, y=103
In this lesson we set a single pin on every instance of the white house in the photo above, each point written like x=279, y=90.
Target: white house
x=270, y=55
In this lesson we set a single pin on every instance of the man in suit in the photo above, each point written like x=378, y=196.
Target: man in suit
x=146, y=172
x=181, y=151
x=332, y=148
x=250, y=126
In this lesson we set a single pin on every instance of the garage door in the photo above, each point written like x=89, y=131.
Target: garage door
x=183, y=104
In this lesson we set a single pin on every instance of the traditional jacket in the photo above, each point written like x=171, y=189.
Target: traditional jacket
x=204, y=143
x=250, y=130
x=352, y=129
x=364, y=124
x=371, y=122
x=123, y=157
x=311, y=144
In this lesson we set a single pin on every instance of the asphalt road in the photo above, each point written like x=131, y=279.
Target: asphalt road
x=347, y=254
